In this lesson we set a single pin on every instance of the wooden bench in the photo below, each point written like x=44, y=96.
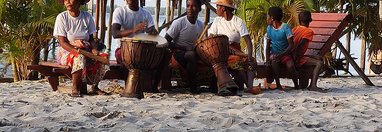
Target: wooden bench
x=53, y=70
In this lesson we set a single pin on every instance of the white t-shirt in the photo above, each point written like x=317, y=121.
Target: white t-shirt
x=234, y=29
x=128, y=18
x=74, y=28
x=185, y=33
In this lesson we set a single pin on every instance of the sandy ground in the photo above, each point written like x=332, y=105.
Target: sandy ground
x=350, y=105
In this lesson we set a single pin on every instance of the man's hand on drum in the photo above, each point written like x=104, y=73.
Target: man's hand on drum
x=95, y=51
x=152, y=31
x=141, y=26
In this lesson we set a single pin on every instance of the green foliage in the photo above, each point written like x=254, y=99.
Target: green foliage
x=254, y=13
x=26, y=26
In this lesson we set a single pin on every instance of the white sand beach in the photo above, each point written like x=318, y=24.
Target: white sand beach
x=350, y=105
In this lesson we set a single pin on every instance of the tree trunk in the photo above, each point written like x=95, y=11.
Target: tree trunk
x=14, y=69
x=109, y=32
x=363, y=53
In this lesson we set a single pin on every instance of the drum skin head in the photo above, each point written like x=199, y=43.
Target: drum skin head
x=146, y=37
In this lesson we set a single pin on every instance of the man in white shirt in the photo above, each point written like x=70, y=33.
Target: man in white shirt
x=182, y=36
x=132, y=19
x=129, y=20
x=234, y=28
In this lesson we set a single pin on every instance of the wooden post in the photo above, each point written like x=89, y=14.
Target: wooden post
x=109, y=32
x=348, y=41
x=207, y=15
x=142, y=3
x=179, y=7
x=352, y=62
x=173, y=3
x=205, y=2
x=157, y=11
x=380, y=9
x=103, y=19
x=89, y=5
x=165, y=25
x=363, y=53
x=97, y=17
x=168, y=13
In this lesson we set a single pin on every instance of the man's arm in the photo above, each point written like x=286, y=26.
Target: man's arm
x=299, y=47
x=268, y=51
x=174, y=45
x=64, y=42
x=118, y=33
x=249, y=47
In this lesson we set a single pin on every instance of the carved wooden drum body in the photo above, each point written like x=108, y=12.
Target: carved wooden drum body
x=214, y=51
x=142, y=58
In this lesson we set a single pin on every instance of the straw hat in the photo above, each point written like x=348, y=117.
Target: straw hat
x=62, y=1
x=226, y=3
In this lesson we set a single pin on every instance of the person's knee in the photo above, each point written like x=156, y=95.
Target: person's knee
x=190, y=56
x=319, y=63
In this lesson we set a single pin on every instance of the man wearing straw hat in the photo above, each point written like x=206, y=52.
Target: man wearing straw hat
x=182, y=36
x=234, y=28
x=74, y=30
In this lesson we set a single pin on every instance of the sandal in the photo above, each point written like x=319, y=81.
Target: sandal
x=225, y=92
x=318, y=89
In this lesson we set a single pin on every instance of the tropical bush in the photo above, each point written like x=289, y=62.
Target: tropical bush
x=25, y=27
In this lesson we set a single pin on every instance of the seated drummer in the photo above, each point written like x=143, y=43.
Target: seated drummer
x=132, y=19
x=182, y=36
x=74, y=30
x=234, y=28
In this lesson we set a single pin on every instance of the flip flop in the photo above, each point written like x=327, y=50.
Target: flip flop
x=225, y=92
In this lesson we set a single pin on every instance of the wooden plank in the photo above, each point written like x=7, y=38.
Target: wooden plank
x=352, y=62
x=312, y=52
x=328, y=16
x=320, y=38
x=315, y=45
x=53, y=64
x=335, y=36
x=44, y=70
x=324, y=24
x=323, y=31
x=208, y=5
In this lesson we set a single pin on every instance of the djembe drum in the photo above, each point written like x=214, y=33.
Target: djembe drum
x=214, y=51
x=141, y=57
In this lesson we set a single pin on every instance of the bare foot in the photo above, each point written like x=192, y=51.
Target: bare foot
x=75, y=93
x=97, y=91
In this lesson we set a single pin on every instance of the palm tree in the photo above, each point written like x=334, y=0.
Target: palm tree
x=26, y=26
x=254, y=13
